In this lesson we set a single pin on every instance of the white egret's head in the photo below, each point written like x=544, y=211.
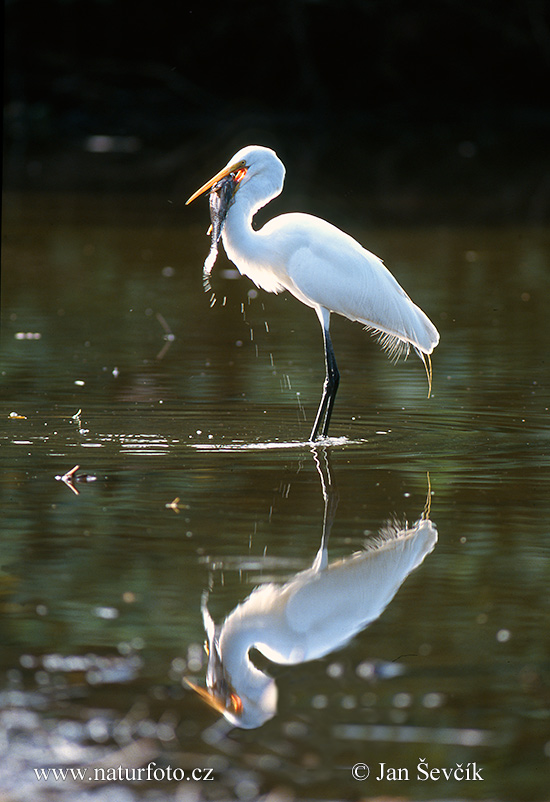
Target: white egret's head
x=250, y=705
x=255, y=167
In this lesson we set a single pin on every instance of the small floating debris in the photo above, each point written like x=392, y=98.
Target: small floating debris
x=70, y=478
x=76, y=419
x=176, y=506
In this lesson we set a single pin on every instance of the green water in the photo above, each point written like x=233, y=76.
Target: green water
x=188, y=424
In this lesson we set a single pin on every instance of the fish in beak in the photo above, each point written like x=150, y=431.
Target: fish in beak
x=222, y=188
x=221, y=198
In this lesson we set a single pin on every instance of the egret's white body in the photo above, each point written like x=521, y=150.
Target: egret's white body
x=319, y=264
x=314, y=613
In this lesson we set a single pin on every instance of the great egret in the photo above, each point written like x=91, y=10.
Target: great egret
x=314, y=613
x=315, y=261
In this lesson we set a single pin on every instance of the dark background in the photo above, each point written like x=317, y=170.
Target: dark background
x=427, y=110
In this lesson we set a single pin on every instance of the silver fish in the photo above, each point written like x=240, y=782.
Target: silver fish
x=221, y=197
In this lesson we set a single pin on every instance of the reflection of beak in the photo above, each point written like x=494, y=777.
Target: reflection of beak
x=239, y=168
x=230, y=704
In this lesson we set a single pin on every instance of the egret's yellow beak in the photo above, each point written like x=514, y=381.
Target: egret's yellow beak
x=239, y=168
x=234, y=703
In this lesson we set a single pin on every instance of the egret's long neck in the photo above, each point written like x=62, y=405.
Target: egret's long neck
x=260, y=185
x=251, y=252
x=238, y=234
x=254, y=687
x=240, y=632
x=259, y=622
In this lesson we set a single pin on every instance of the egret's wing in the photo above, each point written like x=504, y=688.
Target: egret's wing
x=333, y=605
x=331, y=269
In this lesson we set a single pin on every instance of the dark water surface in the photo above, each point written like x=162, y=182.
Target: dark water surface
x=188, y=424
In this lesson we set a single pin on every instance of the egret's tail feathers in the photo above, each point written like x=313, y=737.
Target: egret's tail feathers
x=394, y=346
x=413, y=329
x=394, y=529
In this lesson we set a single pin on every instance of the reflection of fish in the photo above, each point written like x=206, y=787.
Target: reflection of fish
x=221, y=196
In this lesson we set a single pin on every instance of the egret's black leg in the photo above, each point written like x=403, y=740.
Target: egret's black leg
x=330, y=388
x=321, y=457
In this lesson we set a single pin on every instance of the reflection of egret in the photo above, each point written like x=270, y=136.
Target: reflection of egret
x=315, y=261
x=314, y=613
